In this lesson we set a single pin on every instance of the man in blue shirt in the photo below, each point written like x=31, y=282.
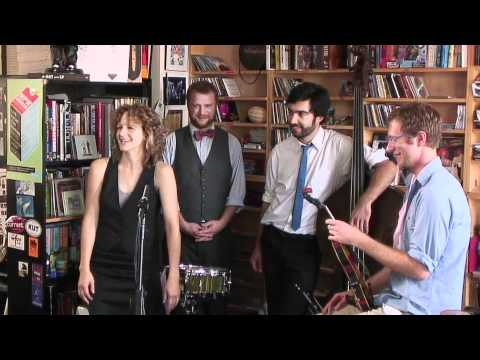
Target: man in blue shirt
x=424, y=271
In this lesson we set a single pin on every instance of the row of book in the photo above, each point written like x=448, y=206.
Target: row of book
x=279, y=113
x=205, y=63
x=305, y=57
x=477, y=55
x=224, y=86
x=283, y=86
x=62, y=246
x=376, y=115
x=397, y=86
x=65, y=192
x=406, y=56
x=92, y=116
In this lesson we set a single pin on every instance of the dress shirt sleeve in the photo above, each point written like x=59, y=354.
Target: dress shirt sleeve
x=169, y=150
x=237, y=189
x=270, y=177
x=373, y=157
x=429, y=234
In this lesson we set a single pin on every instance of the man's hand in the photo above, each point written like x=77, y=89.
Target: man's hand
x=192, y=229
x=256, y=259
x=209, y=229
x=343, y=232
x=361, y=215
x=336, y=303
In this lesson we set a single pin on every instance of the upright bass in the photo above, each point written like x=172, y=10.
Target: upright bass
x=338, y=257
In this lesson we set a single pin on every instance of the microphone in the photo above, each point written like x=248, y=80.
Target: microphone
x=145, y=193
x=316, y=202
x=314, y=305
x=143, y=202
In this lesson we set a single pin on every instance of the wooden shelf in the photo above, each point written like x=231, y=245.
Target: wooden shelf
x=280, y=126
x=311, y=72
x=375, y=70
x=453, y=131
x=242, y=98
x=332, y=98
x=253, y=151
x=213, y=73
x=253, y=72
x=420, y=70
x=239, y=124
x=339, y=127
x=255, y=178
x=413, y=100
x=68, y=164
x=62, y=219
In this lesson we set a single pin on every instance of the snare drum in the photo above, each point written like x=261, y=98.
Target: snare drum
x=202, y=280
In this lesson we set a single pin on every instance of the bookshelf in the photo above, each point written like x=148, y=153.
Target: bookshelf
x=50, y=285
x=449, y=87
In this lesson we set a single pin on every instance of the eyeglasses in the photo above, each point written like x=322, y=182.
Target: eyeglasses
x=303, y=114
x=393, y=139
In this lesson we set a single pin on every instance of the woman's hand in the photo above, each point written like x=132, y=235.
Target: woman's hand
x=171, y=295
x=86, y=286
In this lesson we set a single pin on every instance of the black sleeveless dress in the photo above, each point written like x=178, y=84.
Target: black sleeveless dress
x=112, y=261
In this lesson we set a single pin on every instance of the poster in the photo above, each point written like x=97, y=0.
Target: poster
x=24, y=129
x=104, y=62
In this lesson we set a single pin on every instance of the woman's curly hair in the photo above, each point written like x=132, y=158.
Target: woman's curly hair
x=155, y=133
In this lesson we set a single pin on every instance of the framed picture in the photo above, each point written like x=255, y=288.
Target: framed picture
x=25, y=187
x=174, y=90
x=73, y=204
x=85, y=147
x=25, y=206
x=176, y=58
x=66, y=185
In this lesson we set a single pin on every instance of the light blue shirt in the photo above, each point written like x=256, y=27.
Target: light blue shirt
x=436, y=233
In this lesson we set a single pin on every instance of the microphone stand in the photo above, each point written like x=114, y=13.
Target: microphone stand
x=314, y=306
x=139, y=301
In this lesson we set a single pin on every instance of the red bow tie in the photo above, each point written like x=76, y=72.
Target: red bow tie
x=199, y=134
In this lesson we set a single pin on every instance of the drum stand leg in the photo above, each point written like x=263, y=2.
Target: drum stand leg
x=190, y=305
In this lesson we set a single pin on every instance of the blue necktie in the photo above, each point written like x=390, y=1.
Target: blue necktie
x=298, y=204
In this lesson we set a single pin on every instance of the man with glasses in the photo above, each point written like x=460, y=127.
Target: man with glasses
x=286, y=248
x=423, y=272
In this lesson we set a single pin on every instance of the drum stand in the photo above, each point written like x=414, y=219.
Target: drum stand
x=190, y=305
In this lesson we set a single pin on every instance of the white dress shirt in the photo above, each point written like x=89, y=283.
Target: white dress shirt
x=328, y=168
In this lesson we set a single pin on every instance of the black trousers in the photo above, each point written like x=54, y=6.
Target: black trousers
x=288, y=259
x=214, y=253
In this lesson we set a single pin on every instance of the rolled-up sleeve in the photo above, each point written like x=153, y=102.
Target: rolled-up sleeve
x=373, y=157
x=237, y=189
x=270, y=177
x=428, y=233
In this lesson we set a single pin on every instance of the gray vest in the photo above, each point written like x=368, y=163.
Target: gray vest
x=202, y=190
